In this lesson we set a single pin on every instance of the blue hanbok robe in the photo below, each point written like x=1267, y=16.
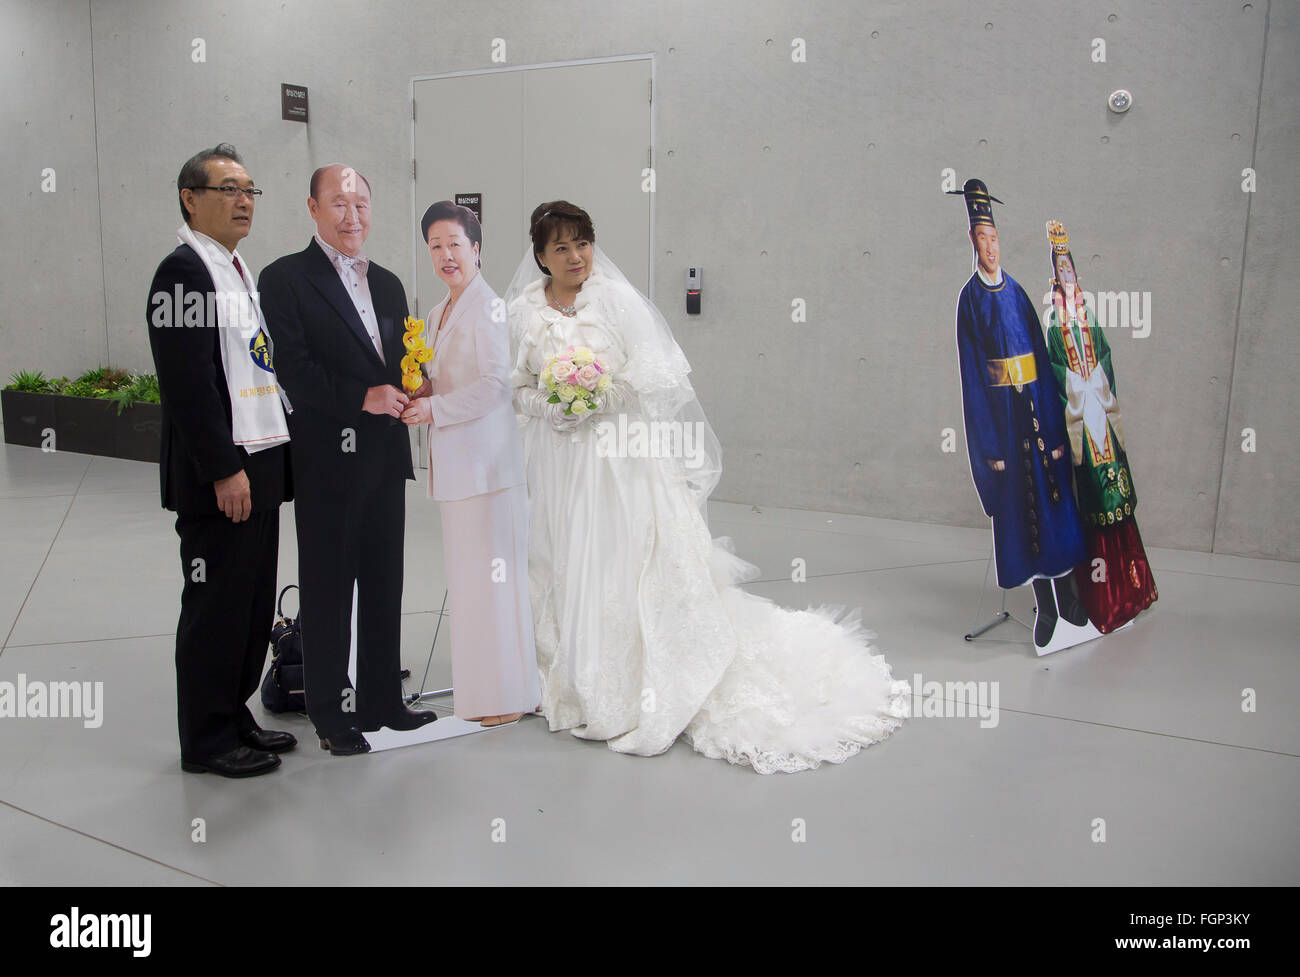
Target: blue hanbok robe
x=1013, y=416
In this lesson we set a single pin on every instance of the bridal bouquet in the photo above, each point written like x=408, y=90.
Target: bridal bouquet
x=416, y=354
x=575, y=378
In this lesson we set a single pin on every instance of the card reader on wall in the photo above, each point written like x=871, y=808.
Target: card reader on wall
x=692, y=291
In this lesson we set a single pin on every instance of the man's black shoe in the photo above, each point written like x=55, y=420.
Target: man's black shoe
x=401, y=718
x=349, y=742
x=269, y=740
x=242, y=761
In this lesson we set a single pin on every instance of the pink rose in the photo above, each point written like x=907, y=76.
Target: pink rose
x=588, y=376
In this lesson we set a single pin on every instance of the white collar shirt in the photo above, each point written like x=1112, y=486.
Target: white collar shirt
x=352, y=272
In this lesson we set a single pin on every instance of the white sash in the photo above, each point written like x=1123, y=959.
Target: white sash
x=1094, y=393
x=257, y=404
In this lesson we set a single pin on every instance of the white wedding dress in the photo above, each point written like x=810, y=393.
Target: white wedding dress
x=643, y=632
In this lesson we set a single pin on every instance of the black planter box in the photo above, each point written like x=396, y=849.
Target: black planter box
x=27, y=417
x=139, y=432
x=82, y=424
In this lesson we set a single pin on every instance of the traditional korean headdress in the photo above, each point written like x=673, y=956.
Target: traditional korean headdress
x=978, y=206
x=1059, y=240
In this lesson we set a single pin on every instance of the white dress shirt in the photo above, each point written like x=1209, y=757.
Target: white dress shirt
x=352, y=272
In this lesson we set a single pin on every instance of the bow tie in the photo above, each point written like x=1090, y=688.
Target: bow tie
x=359, y=264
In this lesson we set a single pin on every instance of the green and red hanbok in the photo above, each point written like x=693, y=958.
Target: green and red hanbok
x=1115, y=590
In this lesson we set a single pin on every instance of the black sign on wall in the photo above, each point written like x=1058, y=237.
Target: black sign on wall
x=474, y=201
x=293, y=103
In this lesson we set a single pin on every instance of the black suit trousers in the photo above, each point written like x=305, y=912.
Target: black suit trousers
x=342, y=539
x=227, y=607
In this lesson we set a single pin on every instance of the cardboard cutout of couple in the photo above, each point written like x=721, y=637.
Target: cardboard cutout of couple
x=1040, y=414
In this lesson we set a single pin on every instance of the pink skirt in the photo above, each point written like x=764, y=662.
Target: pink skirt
x=493, y=660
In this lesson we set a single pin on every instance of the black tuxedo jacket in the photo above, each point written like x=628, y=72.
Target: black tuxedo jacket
x=198, y=447
x=326, y=361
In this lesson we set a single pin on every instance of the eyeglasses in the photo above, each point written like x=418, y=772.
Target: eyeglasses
x=230, y=191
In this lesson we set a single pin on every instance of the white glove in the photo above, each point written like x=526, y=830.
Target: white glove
x=533, y=402
x=615, y=398
x=563, y=423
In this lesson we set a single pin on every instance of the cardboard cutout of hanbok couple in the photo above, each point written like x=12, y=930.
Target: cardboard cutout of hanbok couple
x=1041, y=414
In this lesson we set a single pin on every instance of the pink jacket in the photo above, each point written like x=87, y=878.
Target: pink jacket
x=474, y=441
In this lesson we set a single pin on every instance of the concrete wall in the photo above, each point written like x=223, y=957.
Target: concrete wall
x=818, y=180
x=1257, y=505
x=51, y=272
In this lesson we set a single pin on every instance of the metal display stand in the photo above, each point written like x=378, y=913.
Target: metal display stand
x=422, y=694
x=1000, y=617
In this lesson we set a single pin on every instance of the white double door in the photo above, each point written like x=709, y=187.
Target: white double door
x=519, y=137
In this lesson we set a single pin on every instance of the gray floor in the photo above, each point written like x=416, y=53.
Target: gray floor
x=1141, y=735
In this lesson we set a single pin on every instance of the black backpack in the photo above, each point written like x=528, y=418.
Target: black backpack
x=282, y=689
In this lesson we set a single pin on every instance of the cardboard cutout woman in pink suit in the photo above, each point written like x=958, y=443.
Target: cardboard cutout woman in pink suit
x=476, y=474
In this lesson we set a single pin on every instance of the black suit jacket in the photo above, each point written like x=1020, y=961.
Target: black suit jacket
x=198, y=447
x=326, y=361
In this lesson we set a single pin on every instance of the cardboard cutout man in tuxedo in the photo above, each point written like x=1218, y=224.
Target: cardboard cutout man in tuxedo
x=336, y=319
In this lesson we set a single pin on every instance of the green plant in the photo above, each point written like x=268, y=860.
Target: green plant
x=108, y=383
x=140, y=389
x=78, y=388
x=103, y=378
x=99, y=382
x=147, y=389
x=30, y=382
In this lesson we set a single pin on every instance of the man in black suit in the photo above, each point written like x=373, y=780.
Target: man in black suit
x=225, y=487
x=337, y=321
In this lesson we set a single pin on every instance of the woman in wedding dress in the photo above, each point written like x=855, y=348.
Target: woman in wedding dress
x=642, y=631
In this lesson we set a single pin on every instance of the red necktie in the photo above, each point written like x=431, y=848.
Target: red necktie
x=270, y=349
